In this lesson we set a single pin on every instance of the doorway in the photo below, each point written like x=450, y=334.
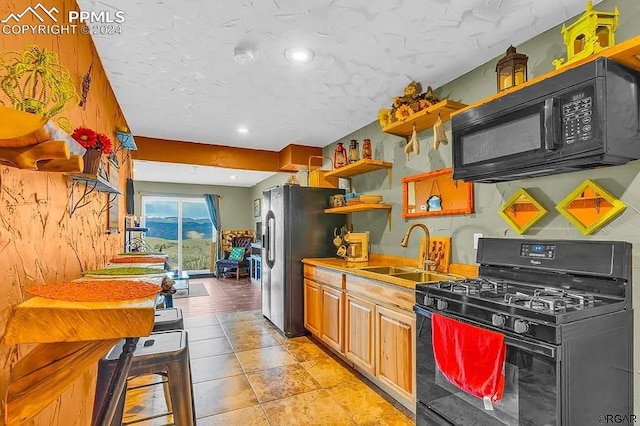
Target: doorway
x=179, y=227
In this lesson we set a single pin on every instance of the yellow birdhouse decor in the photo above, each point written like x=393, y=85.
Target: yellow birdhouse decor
x=591, y=33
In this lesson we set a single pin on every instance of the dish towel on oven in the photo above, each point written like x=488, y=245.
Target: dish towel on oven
x=470, y=357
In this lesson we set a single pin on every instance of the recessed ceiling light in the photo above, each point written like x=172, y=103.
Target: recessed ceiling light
x=233, y=177
x=243, y=130
x=299, y=55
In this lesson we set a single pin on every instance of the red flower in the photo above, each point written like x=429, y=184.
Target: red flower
x=85, y=137
x=104, y=143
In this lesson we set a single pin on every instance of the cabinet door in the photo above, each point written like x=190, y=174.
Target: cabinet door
x=395, y=351
x=360, y=333
x=312, y=307
x=332, y=317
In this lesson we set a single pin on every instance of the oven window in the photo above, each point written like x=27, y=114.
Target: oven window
x=529, y=397
x=512, y=137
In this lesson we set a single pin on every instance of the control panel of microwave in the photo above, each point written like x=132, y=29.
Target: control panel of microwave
x=577, y=116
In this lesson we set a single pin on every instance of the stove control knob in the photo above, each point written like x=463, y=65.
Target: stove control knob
x=520, y=326
x=429, y=301
x=498, y=320
x=442, y=305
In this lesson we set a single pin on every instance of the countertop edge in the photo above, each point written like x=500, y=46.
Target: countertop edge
x=352, y=268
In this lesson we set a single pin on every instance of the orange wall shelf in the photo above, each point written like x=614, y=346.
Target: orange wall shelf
x=424, y=118
x=457, y=196
x=626, y=53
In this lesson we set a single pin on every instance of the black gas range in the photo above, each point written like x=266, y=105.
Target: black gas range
x=564, y=308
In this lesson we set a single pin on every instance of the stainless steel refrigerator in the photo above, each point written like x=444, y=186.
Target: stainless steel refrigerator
x=294, y=226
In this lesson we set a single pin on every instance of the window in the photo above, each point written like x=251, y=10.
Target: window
x=181, y=228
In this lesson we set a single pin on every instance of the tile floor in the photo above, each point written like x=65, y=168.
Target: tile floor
x=246, y=373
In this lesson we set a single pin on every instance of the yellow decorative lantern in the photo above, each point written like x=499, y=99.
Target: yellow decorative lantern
x=591, y=33
x=511, y=69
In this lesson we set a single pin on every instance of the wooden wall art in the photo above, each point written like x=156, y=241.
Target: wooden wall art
x=436, y=194
x=522, y=211
x=589, y=207
x=440, y=252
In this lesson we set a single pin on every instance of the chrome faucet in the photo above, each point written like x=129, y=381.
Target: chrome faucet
x=427, y=264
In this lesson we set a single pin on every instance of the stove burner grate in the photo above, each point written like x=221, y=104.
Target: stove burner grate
x=474, y=286
x=551, y=300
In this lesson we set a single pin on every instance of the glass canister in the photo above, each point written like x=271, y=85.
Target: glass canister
x=354, y=151
x=366, y=149
x=339, y=156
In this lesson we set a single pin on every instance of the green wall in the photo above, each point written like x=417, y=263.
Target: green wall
x=236, y=203
x=275, y=180
x=621, y=181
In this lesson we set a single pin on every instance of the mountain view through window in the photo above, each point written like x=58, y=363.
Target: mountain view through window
x=179, y=227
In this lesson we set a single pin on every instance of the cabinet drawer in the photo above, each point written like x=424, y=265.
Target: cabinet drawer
x=324, y=276
x=386, y=294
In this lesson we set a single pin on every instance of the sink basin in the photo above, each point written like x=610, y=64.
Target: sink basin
x=387, y=270
x=424, y=277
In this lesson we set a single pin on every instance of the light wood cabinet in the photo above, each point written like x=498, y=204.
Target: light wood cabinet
x=367, y=322
x=359, y=333
x=313, y=307
x=395, y=350
x=332, y=317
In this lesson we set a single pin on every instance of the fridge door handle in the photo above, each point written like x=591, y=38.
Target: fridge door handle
x=270, y=243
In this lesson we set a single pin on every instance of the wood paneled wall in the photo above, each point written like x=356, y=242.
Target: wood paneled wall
x=39, y=242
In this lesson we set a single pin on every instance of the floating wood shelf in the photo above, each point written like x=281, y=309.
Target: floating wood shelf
x=362, y=207
x=72, y=337
x=359, y=167
x=33, y=142
x=626, y=53
x=424, y=118
x=40, y=320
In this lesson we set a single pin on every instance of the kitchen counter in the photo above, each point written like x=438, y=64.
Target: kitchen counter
x=355, y=268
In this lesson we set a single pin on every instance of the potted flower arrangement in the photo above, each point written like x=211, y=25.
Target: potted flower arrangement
x=96, y=145
x=409, y=103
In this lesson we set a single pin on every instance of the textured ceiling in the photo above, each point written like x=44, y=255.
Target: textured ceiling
x=173, y=71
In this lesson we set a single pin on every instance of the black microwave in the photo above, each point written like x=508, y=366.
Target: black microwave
x=585, y=117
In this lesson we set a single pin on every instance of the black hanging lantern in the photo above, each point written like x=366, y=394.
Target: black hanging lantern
x=511, y=69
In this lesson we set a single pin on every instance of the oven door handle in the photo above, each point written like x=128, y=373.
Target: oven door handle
x=525, y=345
x=538, y=348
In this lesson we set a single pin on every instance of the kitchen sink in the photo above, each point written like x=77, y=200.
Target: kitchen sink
x=387, y=270
x=424, y=277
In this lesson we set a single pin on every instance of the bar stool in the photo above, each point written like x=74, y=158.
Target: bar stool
x=165, y=320
x=168, y=319
x=165, y=353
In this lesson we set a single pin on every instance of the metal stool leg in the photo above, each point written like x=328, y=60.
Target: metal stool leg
x=181, y=401
x=117, y=384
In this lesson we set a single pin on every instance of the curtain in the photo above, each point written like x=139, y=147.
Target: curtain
x=130, y=198
x=212, y=202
